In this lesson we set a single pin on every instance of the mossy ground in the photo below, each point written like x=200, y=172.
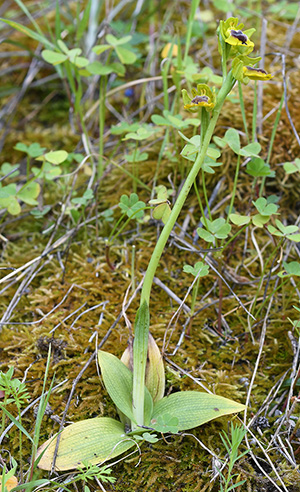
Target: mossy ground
x=76, y=276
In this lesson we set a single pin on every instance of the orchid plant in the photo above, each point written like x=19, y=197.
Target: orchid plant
x=136, y=383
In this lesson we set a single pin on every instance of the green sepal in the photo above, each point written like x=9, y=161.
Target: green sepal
x=193, y=408
x=92, y=440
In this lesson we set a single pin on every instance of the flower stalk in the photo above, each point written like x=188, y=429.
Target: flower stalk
x=141, y=332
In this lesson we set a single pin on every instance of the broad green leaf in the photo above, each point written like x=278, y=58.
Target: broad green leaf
x=53, y=57
x=125, y=56
x=160, y=120
x=193, y=408
x=93, y=440
x=239, y=220
x=233, y=140
x=56, y=157
x=117, y=379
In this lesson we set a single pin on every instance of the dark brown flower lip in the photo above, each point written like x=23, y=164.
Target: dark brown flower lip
x=239, y=35
x=260, y=70
x=199, y=99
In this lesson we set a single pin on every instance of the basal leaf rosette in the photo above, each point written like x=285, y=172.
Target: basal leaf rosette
x=234, y=36
x=202, y=97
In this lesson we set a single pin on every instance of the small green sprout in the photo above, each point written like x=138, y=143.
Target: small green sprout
x=237, y=435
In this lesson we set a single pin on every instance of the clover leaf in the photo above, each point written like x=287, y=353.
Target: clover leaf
x=132, y=205
x=217, y=228
x=199, y=269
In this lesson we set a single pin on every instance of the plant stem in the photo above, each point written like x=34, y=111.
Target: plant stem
x=165, y=233
x=142, y=320
x=243, y=110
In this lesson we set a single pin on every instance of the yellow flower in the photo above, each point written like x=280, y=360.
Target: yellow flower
x=239, y=40
x=166, y=52
x=256, y=73
x=203, y=96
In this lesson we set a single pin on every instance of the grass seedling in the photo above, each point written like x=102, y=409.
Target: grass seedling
x=232, y=446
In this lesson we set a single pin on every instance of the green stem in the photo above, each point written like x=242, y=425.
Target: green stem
x=102, y=96
x=243, y=110
x=237, y=169
x=165, y=233
x=142, y=320
x=254, y=116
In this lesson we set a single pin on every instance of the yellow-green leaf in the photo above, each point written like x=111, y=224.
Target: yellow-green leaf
x=92, y=440
x=193, y=408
